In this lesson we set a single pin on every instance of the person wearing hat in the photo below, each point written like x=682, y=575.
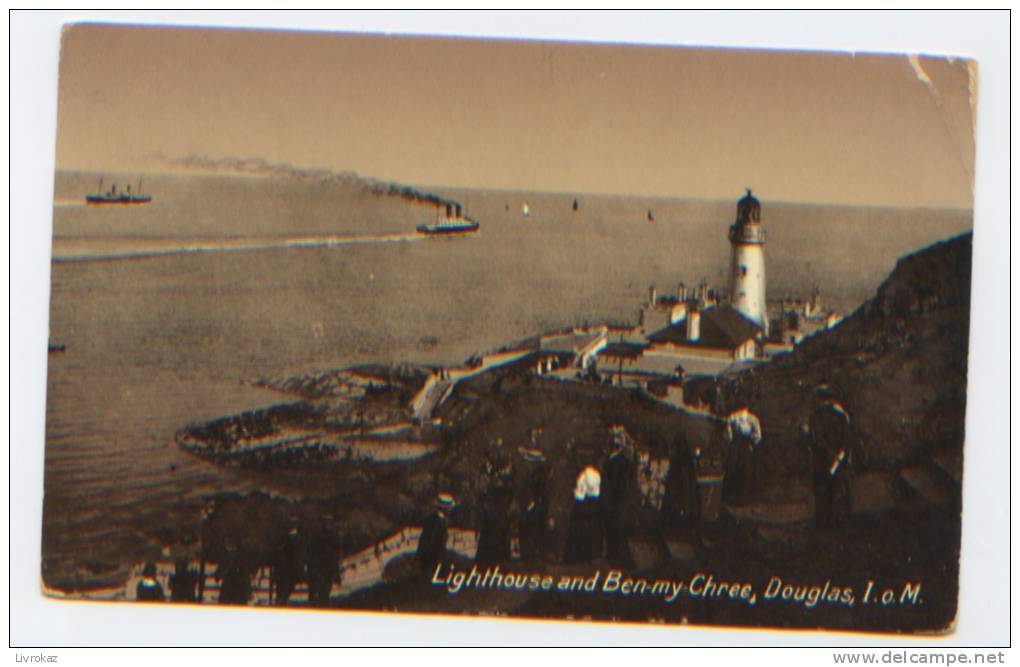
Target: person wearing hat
x=534, y=503
x=432, y=542
x=494, y=523
x=149, y=589
x=832, y=443
x=696, y=472
x=494, y=511
x=679, y=508
x=618, y=479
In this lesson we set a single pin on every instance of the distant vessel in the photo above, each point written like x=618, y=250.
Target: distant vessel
x=525, y=210
x=575, y=206
x=651, y=218
x=453, y=223
x=112, y=196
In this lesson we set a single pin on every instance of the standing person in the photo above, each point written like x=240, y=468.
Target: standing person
x=494, y=528
x=322, y=567
x=183, y=582
x=680, y=499
x=584, y=536
x=235, y=583
x=832, y=443
x=618, y=475
x=534, y=503
x=207, y=541
x=234, y=575
x=743, y=434
x=288, y=567
x=434, y=532
x=149, y=589
x=705, y=443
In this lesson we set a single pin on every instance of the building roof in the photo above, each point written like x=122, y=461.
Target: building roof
x=722, y=327
x=748, y=209
x=570, y=343
x=624, y=350
x=658, y=364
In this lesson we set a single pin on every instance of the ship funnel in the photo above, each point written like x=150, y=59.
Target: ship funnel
x=458, y=209
x=449, y=210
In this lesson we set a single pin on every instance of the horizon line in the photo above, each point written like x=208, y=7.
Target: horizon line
x=315, y=172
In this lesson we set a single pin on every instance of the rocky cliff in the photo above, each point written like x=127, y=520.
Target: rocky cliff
x=899, y=364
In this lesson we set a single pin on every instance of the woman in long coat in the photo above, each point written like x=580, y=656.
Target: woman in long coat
x=432, y=542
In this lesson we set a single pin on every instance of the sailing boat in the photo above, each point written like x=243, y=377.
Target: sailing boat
x=112, y=196
x=525, y=210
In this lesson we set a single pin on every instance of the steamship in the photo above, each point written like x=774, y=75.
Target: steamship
x=112, y=196
x=453, y=223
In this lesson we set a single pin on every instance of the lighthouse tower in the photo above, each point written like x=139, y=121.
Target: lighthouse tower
x=747, y=262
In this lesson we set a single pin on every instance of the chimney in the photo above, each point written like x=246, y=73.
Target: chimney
x=458, y=209
x=449, y=210
x=681, y=293
x=693, y=325
x=678, y=313
x=651, y=296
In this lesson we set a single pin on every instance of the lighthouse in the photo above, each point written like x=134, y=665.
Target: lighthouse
x=747, y=262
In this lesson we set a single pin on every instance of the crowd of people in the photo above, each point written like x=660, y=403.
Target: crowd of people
x=292, y=551
x=714, y=461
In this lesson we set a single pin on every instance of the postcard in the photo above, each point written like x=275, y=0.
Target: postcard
x=530, y=329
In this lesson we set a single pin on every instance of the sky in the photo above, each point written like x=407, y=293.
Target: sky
x=557, y=116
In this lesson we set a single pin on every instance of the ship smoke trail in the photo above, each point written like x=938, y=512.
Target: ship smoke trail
x=411, y=194
x=253, y=166
x=249, y=166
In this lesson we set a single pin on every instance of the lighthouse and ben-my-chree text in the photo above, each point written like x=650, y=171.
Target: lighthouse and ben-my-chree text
x=700, y=585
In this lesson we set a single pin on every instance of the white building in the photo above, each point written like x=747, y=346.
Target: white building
x=720, y=334
x=747, y=262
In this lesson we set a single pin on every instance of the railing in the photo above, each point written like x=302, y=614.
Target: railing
x=438, y=387
x=357, y=571
x=752, y=233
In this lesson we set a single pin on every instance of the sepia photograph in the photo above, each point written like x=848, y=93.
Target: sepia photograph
x=527, y=329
